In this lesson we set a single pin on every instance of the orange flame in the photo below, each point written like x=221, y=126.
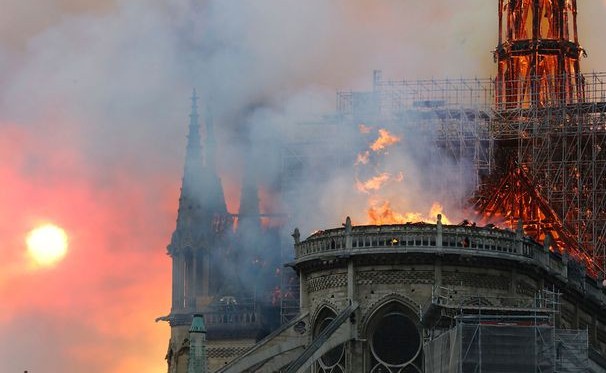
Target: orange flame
x=385, y=139
x=437, y=208
x=373, y=183
x=364, y=129
x=376, y=182
x=380, y=210
x=363, y=158
x=381, y=213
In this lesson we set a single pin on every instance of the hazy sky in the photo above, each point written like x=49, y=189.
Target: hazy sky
x=93, y=116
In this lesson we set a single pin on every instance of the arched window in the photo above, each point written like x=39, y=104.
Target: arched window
x=334, y=360
x=394, y=340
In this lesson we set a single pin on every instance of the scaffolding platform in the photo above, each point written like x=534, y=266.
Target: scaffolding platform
x=491, y=344
x=447, y=303
x=558, y=143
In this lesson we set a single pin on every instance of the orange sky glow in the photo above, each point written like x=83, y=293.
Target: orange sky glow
x=93, y=117
x=103, y=297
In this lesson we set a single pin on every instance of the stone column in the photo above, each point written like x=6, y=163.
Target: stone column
x=205, y=280
x=178, y=281
x=350, y=280
x=193, y=282
x=439, y=243
x=175, y=282
x=303, y=296
x=438, y=273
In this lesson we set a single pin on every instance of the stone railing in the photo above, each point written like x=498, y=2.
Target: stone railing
x=419, y=236
x=239, y=317
x=447, y=239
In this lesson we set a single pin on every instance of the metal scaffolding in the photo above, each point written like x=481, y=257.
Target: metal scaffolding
x=515, y=344
x=314, y=149
x=543, y=164
x=502, y=333
x=554, y=152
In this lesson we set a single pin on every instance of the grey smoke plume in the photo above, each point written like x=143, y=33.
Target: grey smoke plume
x=110, y=80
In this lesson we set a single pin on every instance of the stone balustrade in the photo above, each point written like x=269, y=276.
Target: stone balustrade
x=442, y=239
x=418, y=236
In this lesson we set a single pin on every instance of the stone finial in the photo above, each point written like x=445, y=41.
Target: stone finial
x=347, y=225
x=297, y=236
x=439, y=228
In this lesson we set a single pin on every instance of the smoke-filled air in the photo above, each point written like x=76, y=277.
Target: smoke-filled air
x=94, y=113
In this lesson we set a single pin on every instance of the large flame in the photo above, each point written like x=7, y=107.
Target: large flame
x=381, y=208
x=380, y=212
x=437, y=209
x=507, y=207
x=385, y=140
x=376, y=183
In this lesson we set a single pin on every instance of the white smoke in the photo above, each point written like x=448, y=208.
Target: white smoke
x=110, y=81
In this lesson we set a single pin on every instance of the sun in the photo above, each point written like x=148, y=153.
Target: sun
x=46, y=244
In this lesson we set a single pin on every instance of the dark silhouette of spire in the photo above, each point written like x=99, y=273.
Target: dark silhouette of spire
x=249, y=219
x=192, y=173
x=211, y=144
x=201, y=221
x=202, y=200
x=188, y=238
x=215, y=198
x=193, y=157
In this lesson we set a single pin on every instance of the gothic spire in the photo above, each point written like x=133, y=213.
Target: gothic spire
x=193, y=157
x=249, y=215
x=211, y=145
x=213, y=188
x=192, y=173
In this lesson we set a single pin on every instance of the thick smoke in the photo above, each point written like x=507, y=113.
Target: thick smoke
x=93, y=118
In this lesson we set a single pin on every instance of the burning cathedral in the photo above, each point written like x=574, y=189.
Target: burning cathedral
x=516, y=286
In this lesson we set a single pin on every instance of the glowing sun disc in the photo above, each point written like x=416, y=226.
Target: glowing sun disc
x=46, y=244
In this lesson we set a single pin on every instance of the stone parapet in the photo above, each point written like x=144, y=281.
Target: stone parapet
x=438, y=239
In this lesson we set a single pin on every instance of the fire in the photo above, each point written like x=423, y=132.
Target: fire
x=375, y=183
x=437, y=208
x=512, y=200
x=385, y=139
x=380, y=212
x=364, y=129
x=363, y=158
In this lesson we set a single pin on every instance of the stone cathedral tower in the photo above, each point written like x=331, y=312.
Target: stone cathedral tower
x=198, y=242
x=218, y=273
